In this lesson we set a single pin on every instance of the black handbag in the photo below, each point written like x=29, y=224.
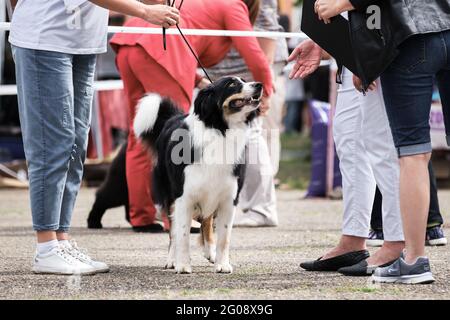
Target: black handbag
x=374, y=49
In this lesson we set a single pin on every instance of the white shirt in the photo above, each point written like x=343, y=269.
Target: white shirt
x=67, y=26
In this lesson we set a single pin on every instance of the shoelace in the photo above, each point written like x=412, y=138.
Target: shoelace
x=63, y=253
x=78, y=252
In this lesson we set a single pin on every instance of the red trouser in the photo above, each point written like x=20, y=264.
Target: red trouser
x=142, y=74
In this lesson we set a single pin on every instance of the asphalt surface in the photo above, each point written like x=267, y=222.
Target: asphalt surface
x=265, y=260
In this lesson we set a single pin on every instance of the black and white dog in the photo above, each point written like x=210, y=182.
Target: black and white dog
x=199, y=163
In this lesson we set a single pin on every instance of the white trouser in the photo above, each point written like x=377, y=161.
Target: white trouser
x=258, y=192
x=273, y=121
x=368, y=158
x=263, y=152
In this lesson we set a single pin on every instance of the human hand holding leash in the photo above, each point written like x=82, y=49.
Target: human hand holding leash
x=307, y=56
x=203, y=83
x=157, y=14
x=162, y=15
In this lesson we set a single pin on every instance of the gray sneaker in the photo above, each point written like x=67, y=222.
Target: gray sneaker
x=401, y=272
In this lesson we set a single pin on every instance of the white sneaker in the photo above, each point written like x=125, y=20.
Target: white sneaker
x=60, y=261
x=253, y=220
x=77, y=253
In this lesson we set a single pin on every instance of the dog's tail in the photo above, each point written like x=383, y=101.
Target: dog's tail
x=153, y=112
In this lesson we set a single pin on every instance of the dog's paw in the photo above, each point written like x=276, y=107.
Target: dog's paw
x=170, y=265
x=224, y=268
x=183, y=269
x=210, y=255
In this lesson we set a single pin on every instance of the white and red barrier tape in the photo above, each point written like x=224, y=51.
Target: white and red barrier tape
x=113, y=85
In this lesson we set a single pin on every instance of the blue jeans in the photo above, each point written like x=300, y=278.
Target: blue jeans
x=55, y=93
x=408, y=87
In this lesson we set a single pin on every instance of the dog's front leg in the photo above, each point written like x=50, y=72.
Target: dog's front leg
x=182, y=218
x=224, y=224
x=207, y=239
x=171, y=259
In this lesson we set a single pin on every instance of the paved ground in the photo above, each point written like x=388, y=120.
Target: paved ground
x=265, y=260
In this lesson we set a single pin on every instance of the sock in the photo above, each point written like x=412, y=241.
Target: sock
x=46, y=247
x=65, y=243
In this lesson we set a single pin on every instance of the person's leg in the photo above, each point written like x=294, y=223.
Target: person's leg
x=357, y=177
x=138, y=164
x=435, y=234
x=45, y=92
x=272, y=123
x=83, y=80
x=45, y=95
x=375, y=237
x=407, y=87
x=376, y=219
x=258, y=198
x=152, y=77
x=434, y=213
x=292, y=120
x=443, y=80
x=142, y=74
x=381, y=152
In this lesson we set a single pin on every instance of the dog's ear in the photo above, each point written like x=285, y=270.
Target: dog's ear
x=208, y=110
x=204, y=101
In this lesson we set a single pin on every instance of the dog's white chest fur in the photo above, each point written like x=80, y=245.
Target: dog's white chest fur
x=210, y=182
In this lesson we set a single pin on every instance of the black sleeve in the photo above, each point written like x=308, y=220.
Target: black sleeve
x=361, y=5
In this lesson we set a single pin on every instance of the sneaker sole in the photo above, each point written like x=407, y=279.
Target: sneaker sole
x=425, y=278
x=62, y=273
x=436, y=242
x=374, y=243
x=102, y=271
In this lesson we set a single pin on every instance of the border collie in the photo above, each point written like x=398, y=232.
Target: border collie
x=199, y=163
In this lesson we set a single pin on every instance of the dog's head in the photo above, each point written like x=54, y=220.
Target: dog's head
x=228, y=103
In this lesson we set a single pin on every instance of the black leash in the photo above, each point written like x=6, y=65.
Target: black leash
x=185, y=40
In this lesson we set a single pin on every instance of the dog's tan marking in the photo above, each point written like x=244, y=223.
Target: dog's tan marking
x=207, y=231
x=226, y=103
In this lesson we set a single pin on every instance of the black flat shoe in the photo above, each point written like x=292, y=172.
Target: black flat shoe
x=335, y=263
x=151, y=228
x=361, y=269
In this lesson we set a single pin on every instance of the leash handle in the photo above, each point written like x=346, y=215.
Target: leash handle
x=164, y=29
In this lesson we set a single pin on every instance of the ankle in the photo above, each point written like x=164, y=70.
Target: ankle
x=395, y=247
x=351, y=243
x=411, y=257
x=46, y=247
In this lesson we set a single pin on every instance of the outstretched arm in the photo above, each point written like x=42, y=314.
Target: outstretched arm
x=307, y=57
x=157, y=14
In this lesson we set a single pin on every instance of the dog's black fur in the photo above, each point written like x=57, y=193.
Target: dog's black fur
x=168, y=177
x=112, y=193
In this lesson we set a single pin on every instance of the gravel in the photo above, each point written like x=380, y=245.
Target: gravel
x=265, y=259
